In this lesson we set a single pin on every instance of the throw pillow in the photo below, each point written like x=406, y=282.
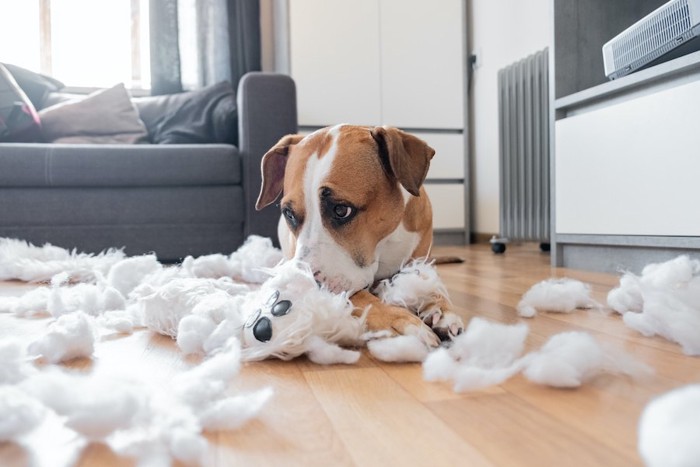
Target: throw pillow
x=19, y=121
x=36, y=86
x=106, y=116
x=207, y=115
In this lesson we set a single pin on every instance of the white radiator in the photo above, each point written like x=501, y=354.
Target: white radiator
x=523, y=101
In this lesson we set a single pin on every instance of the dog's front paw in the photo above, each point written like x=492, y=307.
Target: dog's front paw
x=449, y=326
x=410, y=326
x=395, y=321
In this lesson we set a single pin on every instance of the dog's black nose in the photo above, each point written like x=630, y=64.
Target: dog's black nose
x=263, y=329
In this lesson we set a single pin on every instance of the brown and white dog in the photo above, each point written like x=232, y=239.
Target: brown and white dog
x=354, y=208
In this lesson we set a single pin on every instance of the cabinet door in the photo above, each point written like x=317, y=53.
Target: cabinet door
x=448, y=205
x=448, y=162
x=422, y=68
x=631, y=168
x=335, y=61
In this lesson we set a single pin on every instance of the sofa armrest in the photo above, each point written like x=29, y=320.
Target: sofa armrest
x=267, y=110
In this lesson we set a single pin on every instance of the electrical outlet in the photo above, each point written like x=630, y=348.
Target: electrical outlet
x=476, y=58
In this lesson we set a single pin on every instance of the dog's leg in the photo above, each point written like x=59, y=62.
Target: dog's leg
x=393, y=319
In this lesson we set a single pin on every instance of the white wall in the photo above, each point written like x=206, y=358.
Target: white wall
x=501, y=32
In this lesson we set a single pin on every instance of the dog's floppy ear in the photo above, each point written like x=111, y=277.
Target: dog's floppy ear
x=272, y=167
x=403, y=156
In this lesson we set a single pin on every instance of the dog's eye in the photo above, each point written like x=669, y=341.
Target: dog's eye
x=290, y=217
x=343, y=211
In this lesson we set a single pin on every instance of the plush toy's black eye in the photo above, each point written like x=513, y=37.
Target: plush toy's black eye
x=263, y=330
x=282, y=308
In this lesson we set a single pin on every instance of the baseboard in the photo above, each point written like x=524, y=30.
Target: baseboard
x=478, y=237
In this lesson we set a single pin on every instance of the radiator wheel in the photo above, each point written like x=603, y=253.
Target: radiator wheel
x=498, y=248
x=544, y=247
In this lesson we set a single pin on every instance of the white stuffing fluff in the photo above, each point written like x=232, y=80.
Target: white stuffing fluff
x=128, y=273
x=89, y=298
x=13, y=362
x=193, y=331
x=21, y=413
x=569, y=359
x=398, y=349
x=628, y=296
x=119, y=321
x=489, y=353
x=32, y=303
x=233, y=412
x=70, y=336
x=23, y=261
x=246, y=263
x=669, y=429
x=137, y=419
x=484, y=355
x=439, y=365
x=162, y=308
x=416, y=287
x=556, y=295
x=94, y=407
x=324, y=353
x=664, y=301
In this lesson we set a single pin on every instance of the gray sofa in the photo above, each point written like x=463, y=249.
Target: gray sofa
x=174, y=200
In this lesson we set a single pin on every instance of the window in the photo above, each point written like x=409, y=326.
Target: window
x=83, y=43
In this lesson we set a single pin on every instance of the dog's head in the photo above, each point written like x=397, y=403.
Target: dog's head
x=343, y=189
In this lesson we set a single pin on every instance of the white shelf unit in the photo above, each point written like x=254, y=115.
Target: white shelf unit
x=390, y=62
x=627, y=159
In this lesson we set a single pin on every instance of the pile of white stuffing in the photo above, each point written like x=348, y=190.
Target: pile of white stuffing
x=251, y=305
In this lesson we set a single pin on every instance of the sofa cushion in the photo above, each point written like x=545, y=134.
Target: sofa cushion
x=19, y=121
x=92, y=165
x=106, y=116
x=35, y=85
x=207, y=115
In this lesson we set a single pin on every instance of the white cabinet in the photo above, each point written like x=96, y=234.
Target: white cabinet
x=389, y=62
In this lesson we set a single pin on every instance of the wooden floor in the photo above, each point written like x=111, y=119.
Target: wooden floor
x=373, y=413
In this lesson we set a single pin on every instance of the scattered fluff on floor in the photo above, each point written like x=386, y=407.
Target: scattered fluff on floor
x=489, y=353
x=669, y=429
x=135, y=418
x=398, y=349
x=484, y=355
x=664, y=301
x=26, y=262
x=556, y=295
x=569, y=359
x=70, y=336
